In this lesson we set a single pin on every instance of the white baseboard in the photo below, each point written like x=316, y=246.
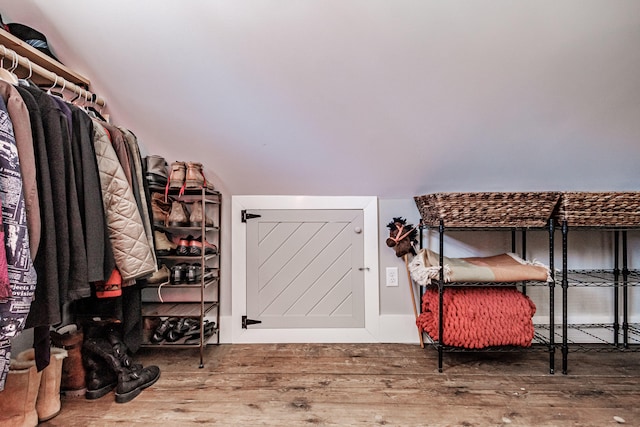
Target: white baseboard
x=398, y=328
x=392, y=329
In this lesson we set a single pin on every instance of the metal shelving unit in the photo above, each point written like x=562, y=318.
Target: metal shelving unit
x=615, y=335
x=200, y=299
x=543, y=339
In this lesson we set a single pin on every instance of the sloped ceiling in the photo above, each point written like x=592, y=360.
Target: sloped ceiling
x=366, y=97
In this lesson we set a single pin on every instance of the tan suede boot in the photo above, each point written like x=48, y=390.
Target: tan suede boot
x=177, y=176
x=48, y=402
x=194, y=176
x=70, y=338
x=164, y=246
x=160, y=276
x=197, y=213
x=18, y=399
x=178, y=216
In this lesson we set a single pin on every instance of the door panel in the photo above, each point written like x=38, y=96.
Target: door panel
x=304, y=268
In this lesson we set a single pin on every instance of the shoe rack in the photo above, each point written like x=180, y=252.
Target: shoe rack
x=192, y=290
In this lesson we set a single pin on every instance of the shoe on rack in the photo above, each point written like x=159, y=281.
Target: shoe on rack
x=160, y=276
x=178, y=216
x=177, y=176
x=194, y=176
x=196, y=245
x=197, y=213
x=184, y=245
x=182, y=327
x=194, y=273
x=156, y=170
x=160, y=209
x=162, y=329
x=193, y=337
x=179, y=273
x=164, y=246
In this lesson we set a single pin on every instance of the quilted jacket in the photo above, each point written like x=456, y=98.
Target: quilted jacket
x=131, y=249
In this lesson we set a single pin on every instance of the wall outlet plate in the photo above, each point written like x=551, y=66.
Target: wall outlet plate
x=392, y=276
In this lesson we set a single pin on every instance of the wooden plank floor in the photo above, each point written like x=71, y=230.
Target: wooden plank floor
x=369, y=385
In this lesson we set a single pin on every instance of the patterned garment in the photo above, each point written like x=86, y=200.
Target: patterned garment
x=22, y=274
x=5, y=284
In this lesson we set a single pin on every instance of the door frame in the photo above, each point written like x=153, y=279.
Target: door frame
x=370, y=332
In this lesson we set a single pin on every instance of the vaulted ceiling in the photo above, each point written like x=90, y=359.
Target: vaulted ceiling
x=366, y=97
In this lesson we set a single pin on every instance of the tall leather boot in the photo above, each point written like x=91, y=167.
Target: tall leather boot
x=100, y=378
x=70, y=338
x=18, y=399
x=48, y=402
x=131, y=380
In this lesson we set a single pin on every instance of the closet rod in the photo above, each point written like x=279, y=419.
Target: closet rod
x=51, y=76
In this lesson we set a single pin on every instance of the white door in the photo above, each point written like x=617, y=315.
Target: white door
x=305, y=268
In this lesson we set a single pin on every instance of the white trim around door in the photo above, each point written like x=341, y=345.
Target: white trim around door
x=370, y=332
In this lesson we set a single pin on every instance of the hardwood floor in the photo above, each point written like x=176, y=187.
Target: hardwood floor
x=369, y=385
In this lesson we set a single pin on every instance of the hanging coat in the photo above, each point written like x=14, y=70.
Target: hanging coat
x=46, y=309
x=22, y=274
x=131, y=250
x=77, y=286
x=19, y=116
x=89, y=192
x=53, y=136
x=143, y=197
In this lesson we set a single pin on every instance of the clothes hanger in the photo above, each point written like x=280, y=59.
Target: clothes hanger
x=54, y=84
x=82, y=99
x=78, y=98
x=5, y=74
x=87, y=108
x=14, y=65
x=61, y=93
x=93, y=111
x=25, y=81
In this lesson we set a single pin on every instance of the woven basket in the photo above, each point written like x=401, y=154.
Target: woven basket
x=502, y=209
x=600, y=209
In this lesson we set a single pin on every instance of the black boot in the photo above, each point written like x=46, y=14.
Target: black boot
x=100, y=378
x=110, y=331
x=120, y=350
x=131, y=380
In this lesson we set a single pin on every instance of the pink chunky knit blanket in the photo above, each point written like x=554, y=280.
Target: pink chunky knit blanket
x=482, y=317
